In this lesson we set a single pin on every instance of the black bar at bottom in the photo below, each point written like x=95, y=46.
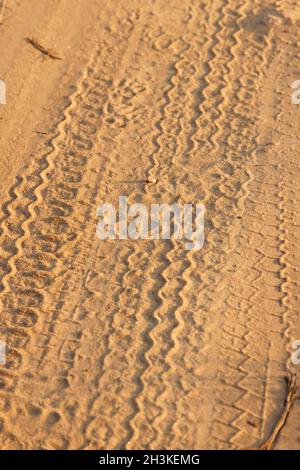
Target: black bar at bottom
x=144, y=459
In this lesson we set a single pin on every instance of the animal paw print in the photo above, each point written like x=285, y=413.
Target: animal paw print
x=158, y=39
x=122, y=106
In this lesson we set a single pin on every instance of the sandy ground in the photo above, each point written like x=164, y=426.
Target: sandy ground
x=138, y=343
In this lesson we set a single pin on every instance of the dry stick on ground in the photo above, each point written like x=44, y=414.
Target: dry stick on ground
x=40, y=132
x=289, y=400
x=43, y=49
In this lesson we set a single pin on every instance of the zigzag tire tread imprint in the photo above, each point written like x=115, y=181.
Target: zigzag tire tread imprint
x=140, y=343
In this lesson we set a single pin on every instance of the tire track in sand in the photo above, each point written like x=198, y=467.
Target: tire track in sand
x=57, y=181
x=249, y=331
x=156, y=273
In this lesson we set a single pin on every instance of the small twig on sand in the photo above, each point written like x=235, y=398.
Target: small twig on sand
x=147, y=181
x=2, y=10
x=289, y=400
x=41, y=48
x=40, y=132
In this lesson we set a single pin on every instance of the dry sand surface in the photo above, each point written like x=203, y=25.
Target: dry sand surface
x=142, y=344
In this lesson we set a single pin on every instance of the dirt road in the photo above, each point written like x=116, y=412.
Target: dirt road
x=142, y=344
